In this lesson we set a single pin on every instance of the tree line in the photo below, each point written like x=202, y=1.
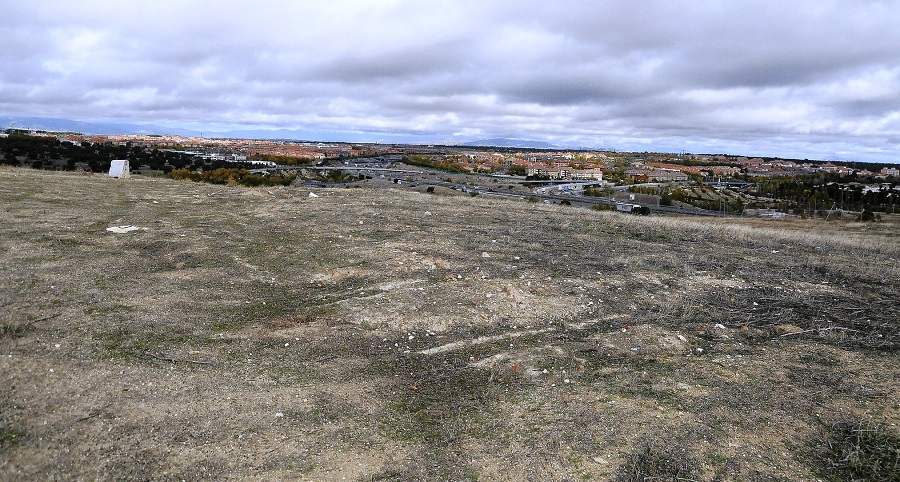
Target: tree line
x=233, y=176
x=830, y=191
x=50, y=153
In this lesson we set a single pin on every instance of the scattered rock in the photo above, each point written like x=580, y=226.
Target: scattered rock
x=642, y=340
x=123, y=229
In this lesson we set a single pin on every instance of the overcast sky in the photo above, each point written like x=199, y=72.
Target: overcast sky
x=816, y=79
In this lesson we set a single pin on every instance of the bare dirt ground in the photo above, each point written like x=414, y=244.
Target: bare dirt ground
x=392, y=335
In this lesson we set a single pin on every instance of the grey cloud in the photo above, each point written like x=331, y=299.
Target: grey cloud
x=723, y=74
x=591, y=84
x=406, y=65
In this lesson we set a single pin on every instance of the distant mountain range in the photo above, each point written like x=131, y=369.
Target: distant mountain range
x=115, y=128
x=68, y=125
x=504, y=142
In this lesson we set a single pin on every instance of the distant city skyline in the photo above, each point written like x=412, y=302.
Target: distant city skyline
x=806, y=79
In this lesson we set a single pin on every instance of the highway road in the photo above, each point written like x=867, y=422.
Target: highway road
x=537, y=194
x=589, y=200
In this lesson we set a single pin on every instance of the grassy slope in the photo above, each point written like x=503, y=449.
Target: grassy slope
x=260, y=333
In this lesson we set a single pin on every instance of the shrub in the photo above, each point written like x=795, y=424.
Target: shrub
x=231, y=176
x=184, y=174
x=10, y=436
x=657, y=458
x=863, y=450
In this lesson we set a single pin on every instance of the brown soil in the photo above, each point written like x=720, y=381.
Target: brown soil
x=384, y=334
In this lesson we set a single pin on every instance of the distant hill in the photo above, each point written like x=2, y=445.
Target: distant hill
x=504, y=142
x=108, y=128
x=112, y=128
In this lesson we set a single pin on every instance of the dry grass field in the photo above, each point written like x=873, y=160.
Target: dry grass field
x=383, y=334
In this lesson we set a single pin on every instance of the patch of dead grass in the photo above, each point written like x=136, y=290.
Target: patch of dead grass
x=394, y=349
